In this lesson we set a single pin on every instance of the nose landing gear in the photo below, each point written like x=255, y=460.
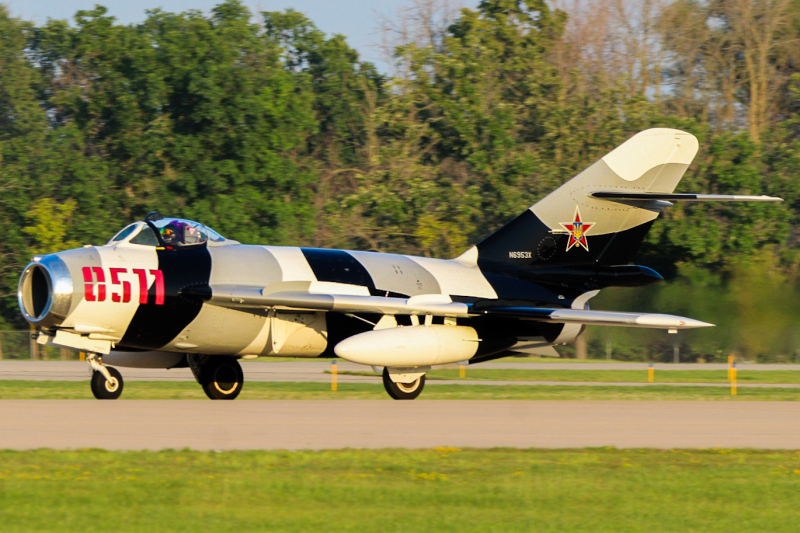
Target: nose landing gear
x=106, y=381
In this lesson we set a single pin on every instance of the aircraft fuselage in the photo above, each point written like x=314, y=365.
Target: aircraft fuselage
x=152, y=298
x=166, y=292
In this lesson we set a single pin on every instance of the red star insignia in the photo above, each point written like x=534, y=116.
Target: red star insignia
x=577, y=231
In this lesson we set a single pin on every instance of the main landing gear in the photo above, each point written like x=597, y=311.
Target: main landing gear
x=403, y=391
x=221, y=377
x=107, y=382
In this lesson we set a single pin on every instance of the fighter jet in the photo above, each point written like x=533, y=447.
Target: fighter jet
x=167, y=292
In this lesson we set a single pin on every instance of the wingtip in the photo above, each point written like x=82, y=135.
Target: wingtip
x=691, y=324
x=670, y=322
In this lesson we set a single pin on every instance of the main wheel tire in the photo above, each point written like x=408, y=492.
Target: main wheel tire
x=102, y=389
x=403, y=391
x=223, y=378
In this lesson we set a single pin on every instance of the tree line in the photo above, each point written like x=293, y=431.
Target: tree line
x=270, y=131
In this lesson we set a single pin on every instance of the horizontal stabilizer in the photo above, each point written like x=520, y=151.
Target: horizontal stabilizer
x=681, y=197
x=598, y=318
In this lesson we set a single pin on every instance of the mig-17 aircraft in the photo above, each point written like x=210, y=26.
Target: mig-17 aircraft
x=166, y=292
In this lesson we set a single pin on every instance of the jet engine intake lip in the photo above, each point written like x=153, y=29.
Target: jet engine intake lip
x=45, y=292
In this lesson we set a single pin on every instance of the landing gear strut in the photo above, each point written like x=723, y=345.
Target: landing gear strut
x=403, y=391
x=221, y=377
x=106, y=382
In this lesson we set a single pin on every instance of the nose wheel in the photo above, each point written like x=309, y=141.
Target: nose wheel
x=106, y=381
x=104, y=389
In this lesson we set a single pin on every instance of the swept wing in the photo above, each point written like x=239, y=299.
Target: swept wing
x=323, y=296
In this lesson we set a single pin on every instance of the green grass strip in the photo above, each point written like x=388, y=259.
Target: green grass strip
x=186, y=390
x=609, y=376
x=443, y=489
x=627, y=376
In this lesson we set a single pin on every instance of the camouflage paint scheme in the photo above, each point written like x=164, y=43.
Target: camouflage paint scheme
x=525, y=287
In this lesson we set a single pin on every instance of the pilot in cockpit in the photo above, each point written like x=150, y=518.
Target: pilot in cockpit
x=170, y=234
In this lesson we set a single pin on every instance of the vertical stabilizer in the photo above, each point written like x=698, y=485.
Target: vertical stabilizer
x=569, y=226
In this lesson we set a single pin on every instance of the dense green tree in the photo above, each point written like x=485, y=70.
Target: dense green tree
x=272, y=132
x=22, y=131
x=346, y=92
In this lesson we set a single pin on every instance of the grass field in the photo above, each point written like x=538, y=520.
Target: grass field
x=442, y=489
x=611, y=376
x=254, y=390
x=628, y=376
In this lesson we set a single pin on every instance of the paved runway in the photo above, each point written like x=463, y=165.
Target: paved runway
x=314, y=371
x=309, y=424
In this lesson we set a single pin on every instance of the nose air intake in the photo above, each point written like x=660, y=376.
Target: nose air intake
x=45, y=292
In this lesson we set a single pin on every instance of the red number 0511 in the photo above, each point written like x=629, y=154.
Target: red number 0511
x=95, y=284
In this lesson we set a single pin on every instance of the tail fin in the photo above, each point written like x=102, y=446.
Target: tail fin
x=570, y=226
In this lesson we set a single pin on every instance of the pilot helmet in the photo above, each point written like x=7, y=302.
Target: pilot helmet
x=170, y=234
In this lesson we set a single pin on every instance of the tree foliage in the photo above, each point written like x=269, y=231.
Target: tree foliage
x=270, y=131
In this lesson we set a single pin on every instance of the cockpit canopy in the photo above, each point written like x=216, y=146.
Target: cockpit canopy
x=167, y=232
